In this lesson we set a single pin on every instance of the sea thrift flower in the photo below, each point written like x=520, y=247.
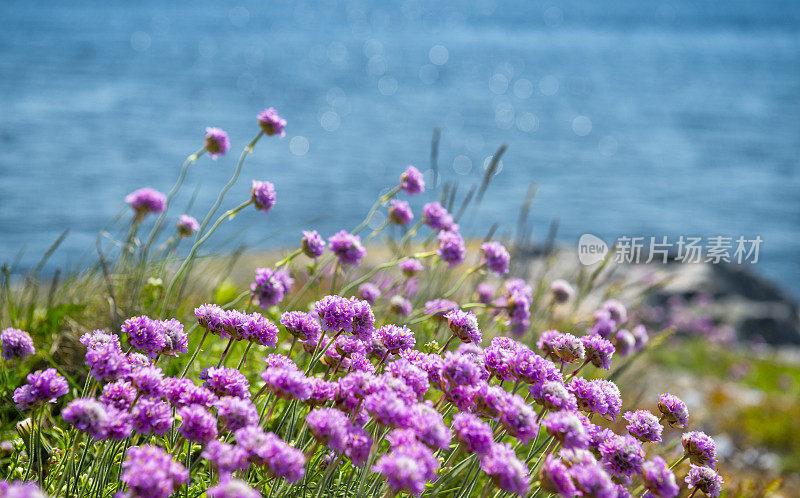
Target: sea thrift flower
x=260, y=331
x=617, y=310
x=329, y=426
x=561, y=291
x=640, y=337
x=531, y=368
x=225, y=458
x=149, y=472
x=400, y=305
x=301, y=325
x=414, y=377
x=118, y=426
x=210, y=316
x=267, y=449
x=286, y=383
x=175, y=340
x=217, y=142
x=271, y=122
x=474, y=434
x=396, y=338
x=197, y=424
x=119, y=394
x=145, y=201
x=461, y=369
x=151, y=415
x=144, y=334
x=107, y=362
x=279, y=361
x=411, y=267
x=149, y=381
x=347, y=247
x=16, y=344
x=187, y=225
x=97, y=338
x=506, y=470
x=236, y=412
x=183, y=392
x=673, y=410
x=411, y=181
x=388, y=409
x=270, y=286
x=464, y=325
x=312, y=244
x=44, y=386
x=263, y=195
x=225, y=381
x=555, y=477
x=86, y=415
x=613, y=399
x=400, y=212
x=706, y=479
x=569, y=348
x=659, y=479
x=592, y=480
x=436, y=216
x=519, y=419
x=589, y=394
x=402, y=472
x=428, y=426
x=598, y=351
x=700, y=449
x=496, y=256
x=358, y=445
x=605, y=328
x=622, y=456
x=643, y=425
x=554, y=396
x=20, y=489
x=567, y=428
x=500, y=356
x=439, y=307
x=369, y=292
x=624, y=342
x=485, y=292
x=232, y=488
x=452, y=248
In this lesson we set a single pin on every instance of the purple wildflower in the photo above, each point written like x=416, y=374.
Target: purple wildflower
x=428, y=426
x=388, y=409
x=643, y=425
x=415, y=377
x=452, y=248
x=347, y=247
x=411, y=181
x=149, y=472
x=622, y=456
x=175, y=340
x=440, y=307
x=270, y=286
x=612, y=398
x=603, y=327
x=271, y=123
x=706, y=479
x=183, y=392
x=673, y=410
x=400, y=212
x=624, y=342
x=598, y=351
x=44, y=386
x=485, y=292
x=533, y=369
x=358, y=445
x=217, y=142
x=506, y=470
x=592, y=480
x=301, y=325
x=474, y=434
x=197, y=424
x=335, y=313
x=500, y=356
x=118, y=425
x=263, y=195
x=555, y=478
x=225, y=381
x=554, y=396
x=329, y=426
x=616, y=310
x=461, y=369
x=590, y=396
x=640, y=336
x=400, y=305
x=464, y=325
x=369, y=292
x=119, y=394
x=659, y=479
x=187, y=225
x=97, y=338
x=151, y=416
x=436, y=216
x=232, y=488
x=87, y=415
x=225, y=458
x=286, y=383
x=149, y=381
x=496, y=256
x=16, y=344
x=20, y=489
x=236, y=412
x=312, y=244
x=519, y=419
x=700, y=449
x=411, y=267
x=322, y=391
x=567, y=428
x=146, y=200
x=144, y=334
x=561, y=291
x=260, y=331
x=267, y=449
x=107, y=362
x=396, y=338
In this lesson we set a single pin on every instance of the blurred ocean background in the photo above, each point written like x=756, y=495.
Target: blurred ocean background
x=634, y=118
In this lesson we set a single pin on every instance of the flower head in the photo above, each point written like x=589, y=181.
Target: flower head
x=396, y=338
x=598, y=351
x=187, y=225
x=16, y=344
x=87, y=415
x=301, y=325
x=119, y=394
x=567, y=428
x=197, y=424
x=561, y=291
x=700, y=448
x=329, y=426
x=369, y=292
x=411, y=181
x=659, y=479
x=312, y=244
x=643, y=425
x=225, y=458
x=270, y=286
x=232, y=488
x=400, y=212
x=151, y=415
x=148, y=381
x=236, y=412
x=673, y=409
x=616, y=310
x=225, y=381
x=436, y=216
x=555, y=477
x=44, y=386
x=347, y=247
x=464, y=325
x=107, y=362
x=210, y=317
x=496, y=256
x=452, y=248
x=271, y=122
x=400, y=305
x=622, y=456
x=411, y=267
x=263, y=195
x=144, y=333
x=150, y=472
x=506, y=470
x=146, y=200
x=706, y=479
x=217, y=142
x=474, y=434
x=286, y=383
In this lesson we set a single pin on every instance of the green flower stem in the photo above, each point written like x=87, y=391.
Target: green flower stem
x=244, y=355
x=462, y=280
x=381, y=201
x=196, y=351
x=288, y=258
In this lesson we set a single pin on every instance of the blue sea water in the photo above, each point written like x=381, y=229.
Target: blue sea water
x=634, y=118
